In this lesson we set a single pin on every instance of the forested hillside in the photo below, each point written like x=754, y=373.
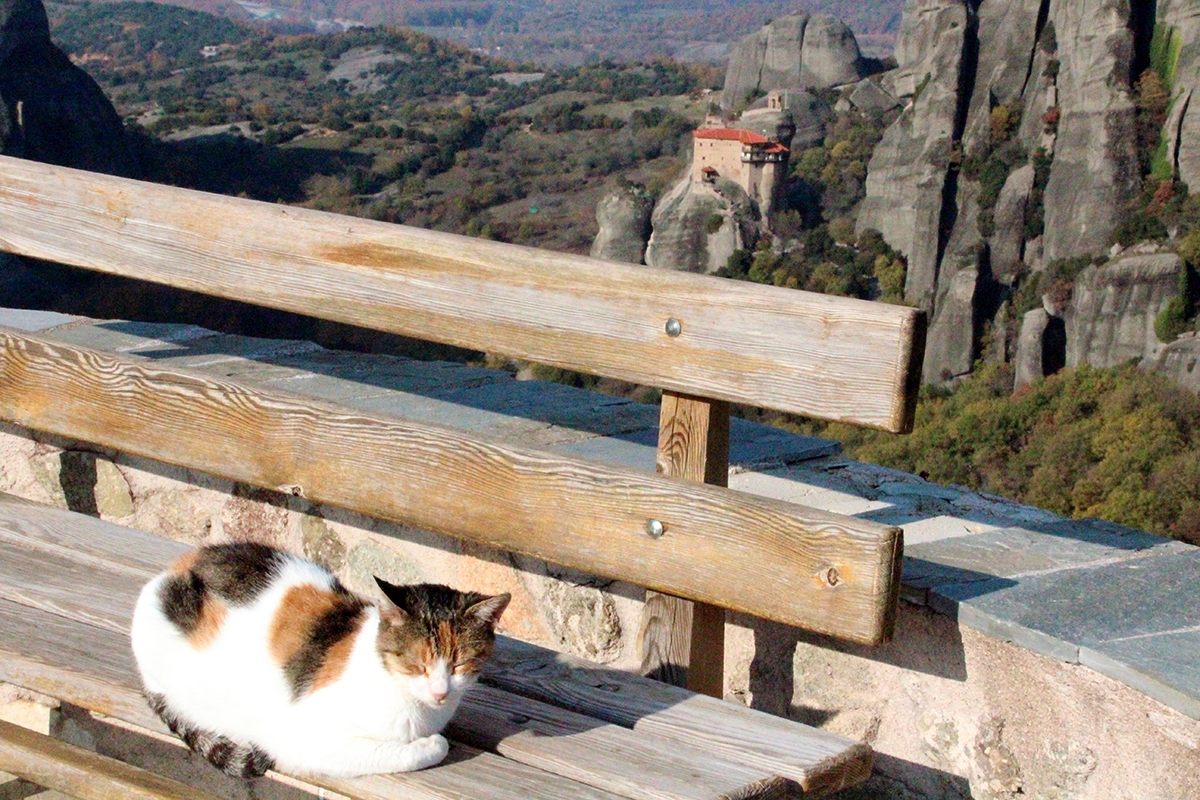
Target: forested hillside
x=558, y=33
x=386, y=122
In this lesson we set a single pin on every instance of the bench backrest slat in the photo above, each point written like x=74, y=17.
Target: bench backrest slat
x=827, y=357
x=796, y=565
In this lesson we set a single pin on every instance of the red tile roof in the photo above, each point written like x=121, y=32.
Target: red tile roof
x=731, y=134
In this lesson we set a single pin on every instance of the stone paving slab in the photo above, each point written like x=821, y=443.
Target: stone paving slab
x=1164, y=666
x=1117, y=611
x=1016, y=551
x=32, y=321
x=750, y=445
x=396, y=373
x=117, y=336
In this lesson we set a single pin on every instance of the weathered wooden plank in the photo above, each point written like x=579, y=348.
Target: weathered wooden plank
x=683, y=642
x=57, y=584
x=606, y=756
x=64, y=658
x=56, y=530
x=822, y=356
x=818, y=761
x=800, y=566
x=468, y=774
x=80, y=773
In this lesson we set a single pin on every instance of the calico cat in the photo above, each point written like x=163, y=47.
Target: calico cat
x=259, y=659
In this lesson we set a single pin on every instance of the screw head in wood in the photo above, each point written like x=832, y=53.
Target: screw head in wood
x=654, y=529
x=673, y=327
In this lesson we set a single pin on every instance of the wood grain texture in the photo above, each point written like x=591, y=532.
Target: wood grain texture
x=681, y=642
x=801, y=566
x=54, y=764
x=823, y=356
x=58, y=531
x=467, y=774
x=610, y=757
x=818, y=761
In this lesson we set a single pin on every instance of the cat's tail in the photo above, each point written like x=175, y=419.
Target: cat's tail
x=238, y=760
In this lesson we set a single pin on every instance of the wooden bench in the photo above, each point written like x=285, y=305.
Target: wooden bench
x=699, y=549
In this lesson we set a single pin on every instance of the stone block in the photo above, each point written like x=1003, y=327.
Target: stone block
x=369, y=559
x=1164, y=666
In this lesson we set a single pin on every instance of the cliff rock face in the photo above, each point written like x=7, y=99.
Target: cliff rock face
x=991, y=86
x=624, y=219
x=1180, y=361
x=686, y=236
x=907, y=174
x=51, y=110
x=1113, y=307
x=792, y=53
x=1095, y=168
x=1179, y=22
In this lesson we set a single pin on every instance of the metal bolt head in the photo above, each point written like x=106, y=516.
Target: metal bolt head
x=654, y=529
x=673, y=327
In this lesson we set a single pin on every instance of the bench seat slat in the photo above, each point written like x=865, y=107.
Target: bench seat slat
x=55, y=764
x=817, y=760
x=628, y=762
x=825, y=572
x=56, y=530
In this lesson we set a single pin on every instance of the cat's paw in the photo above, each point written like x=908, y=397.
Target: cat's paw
x=429, y=750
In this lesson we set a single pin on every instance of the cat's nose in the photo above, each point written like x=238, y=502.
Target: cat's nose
x=439, y=696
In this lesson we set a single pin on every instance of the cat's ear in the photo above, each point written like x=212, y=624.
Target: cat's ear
x=395, y=598
x=488, y=610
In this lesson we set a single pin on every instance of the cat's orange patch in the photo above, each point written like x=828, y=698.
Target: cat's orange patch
x=299, y=610
x=337, y=658
x=446, y=640
x=208, y=624
x=184, y=564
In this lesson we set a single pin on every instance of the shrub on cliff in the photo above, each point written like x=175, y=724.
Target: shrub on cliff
x=1120, y=444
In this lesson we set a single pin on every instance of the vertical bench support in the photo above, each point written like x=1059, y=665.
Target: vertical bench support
x=682, y=642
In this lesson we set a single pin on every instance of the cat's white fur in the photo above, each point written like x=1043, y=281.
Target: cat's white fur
x=369, y=721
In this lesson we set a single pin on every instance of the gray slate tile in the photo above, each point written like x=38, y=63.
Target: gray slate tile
x=1008, y=552
x=142, y=338
x=24, y=319
x=215, y=349
x=1165, y=666
x=395, y=373
x=1152, y=594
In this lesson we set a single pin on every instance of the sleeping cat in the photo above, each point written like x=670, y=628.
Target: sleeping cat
x=259, y=659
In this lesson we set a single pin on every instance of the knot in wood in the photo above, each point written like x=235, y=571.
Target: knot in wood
x=831, y=576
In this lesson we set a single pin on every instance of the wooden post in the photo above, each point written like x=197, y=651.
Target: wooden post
x=682, y=642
